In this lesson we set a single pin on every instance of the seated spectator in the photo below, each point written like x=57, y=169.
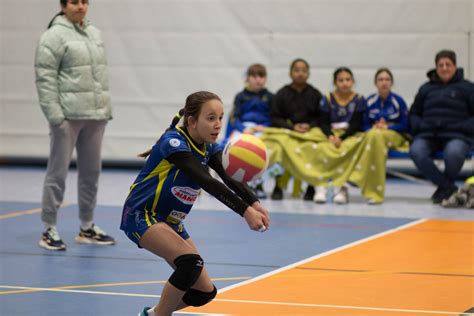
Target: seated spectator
x=296, y=107
x=385, y=109
x=251, y=111
x=343, y=111
x=442, y=118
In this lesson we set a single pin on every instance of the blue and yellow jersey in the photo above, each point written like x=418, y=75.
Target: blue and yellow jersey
x=161, y=192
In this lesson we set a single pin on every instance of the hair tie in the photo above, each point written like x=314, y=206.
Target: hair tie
x=178, y=115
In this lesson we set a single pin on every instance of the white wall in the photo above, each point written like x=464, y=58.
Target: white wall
x=160, y=51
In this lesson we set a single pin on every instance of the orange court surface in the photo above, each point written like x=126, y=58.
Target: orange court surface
x=421, y=269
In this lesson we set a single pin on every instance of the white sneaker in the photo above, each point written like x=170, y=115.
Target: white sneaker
x=320, y=196
x=373, y=202
x=341, y=195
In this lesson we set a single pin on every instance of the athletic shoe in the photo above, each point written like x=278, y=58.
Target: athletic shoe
x=259, y=192
x=445, y=193
x=144, y=312
x=436, y=195
x=277, y=194
x=50, y=240
x=321, y=193
x=94, y=235
x=341, y=196
x=373, y=202
x=309, y=194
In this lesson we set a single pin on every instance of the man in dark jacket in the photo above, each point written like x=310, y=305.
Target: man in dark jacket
x=442, y=118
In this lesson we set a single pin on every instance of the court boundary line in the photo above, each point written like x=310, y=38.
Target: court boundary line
x=28, y=212
x=21, y=213
x=400, y=310
x=38, y=289
x=19, y=289
x=323, y=254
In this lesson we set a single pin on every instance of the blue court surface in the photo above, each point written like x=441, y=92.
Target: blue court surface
x=122, y=279
x=97, y=276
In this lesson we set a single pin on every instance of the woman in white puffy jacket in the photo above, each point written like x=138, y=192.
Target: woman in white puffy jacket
x=73, y=91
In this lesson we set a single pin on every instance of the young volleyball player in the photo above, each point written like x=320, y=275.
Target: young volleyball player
x=163, y=194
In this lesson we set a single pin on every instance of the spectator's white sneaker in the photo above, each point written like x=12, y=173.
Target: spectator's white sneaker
x=373, y=202
x=321, y=193
x=341, y=195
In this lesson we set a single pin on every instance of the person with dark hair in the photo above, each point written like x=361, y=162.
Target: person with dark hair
x=73, y=91
x=163, y=194
x=251, y=111
x=442, y=118
x=386, y=110
x=343, y=112
x=296, y=107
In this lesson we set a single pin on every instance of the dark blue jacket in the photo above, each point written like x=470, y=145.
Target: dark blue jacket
x=444, y=110
x=393, y=110
x=250, y=107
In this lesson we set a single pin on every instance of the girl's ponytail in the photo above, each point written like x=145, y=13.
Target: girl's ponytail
x=176, y=119
x=174, y=122
x=192, y=108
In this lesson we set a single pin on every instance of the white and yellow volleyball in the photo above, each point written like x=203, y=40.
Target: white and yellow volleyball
x=245, y=157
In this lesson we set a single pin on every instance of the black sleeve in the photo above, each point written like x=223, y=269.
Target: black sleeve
x=241, y=189
x=277, y=113
x=316, y=109
x=325, y=123
x=355, y=125
x=189, y=164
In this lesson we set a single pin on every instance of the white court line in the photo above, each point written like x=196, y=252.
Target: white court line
x=347, y=307
x=324, y=254
x=268, y=275
x=239, y=301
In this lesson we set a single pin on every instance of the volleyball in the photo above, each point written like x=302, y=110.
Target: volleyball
x=245, y=157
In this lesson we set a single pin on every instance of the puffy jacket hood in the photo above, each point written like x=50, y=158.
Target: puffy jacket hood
x=63, y=21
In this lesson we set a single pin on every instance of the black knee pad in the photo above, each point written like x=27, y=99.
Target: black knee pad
x=188, y=270
x=197, y=298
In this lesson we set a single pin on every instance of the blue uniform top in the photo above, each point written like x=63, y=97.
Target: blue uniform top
x=161, y=193
x=393, y=110
x=339, y=112
x=252, y=107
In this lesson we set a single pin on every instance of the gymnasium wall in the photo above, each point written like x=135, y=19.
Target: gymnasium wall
x=160, y=51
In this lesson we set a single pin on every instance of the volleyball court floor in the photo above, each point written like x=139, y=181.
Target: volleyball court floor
x=404, y=257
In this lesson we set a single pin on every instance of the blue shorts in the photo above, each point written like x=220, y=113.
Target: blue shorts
x=134, y=224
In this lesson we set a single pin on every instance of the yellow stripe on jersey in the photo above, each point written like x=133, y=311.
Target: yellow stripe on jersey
x=203, y=153
x=339, y=101
x=152, y=174
x=162, y=171
x=176, y=174
x=147, y=217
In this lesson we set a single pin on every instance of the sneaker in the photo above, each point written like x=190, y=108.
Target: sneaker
x=373, y=202
x=144, y=312
x=435, y=196
x=50, y=240
x=341, y=196
x=259, y=192
x=277, y=194
x=445, y=193
x=321, y=193
x=309, y=194
x=94, y=235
